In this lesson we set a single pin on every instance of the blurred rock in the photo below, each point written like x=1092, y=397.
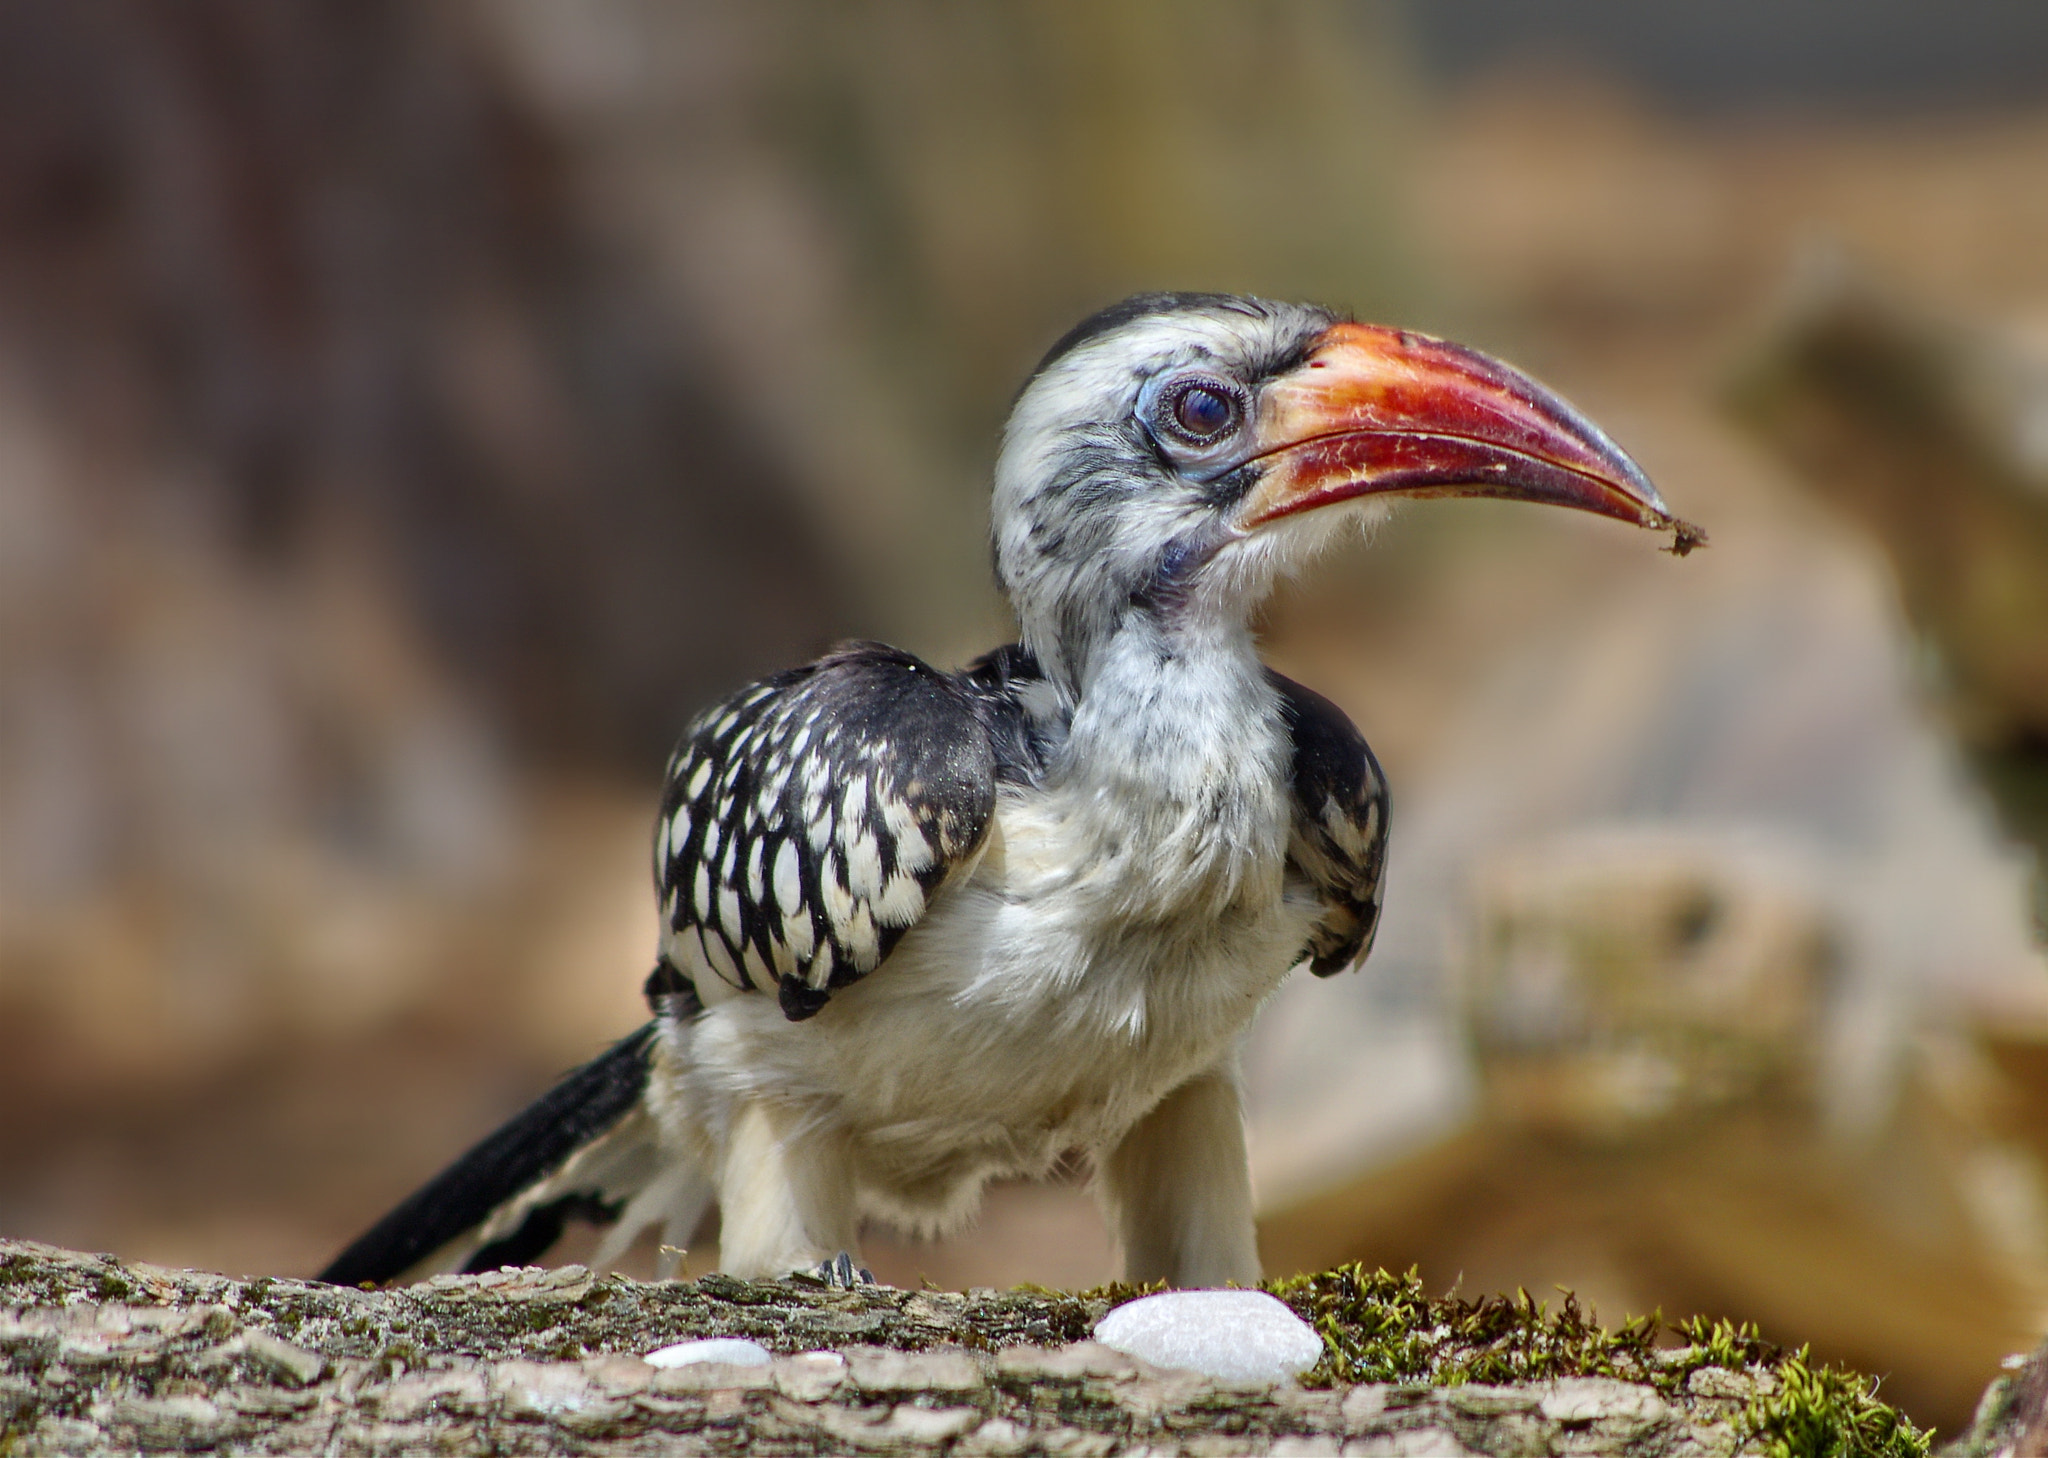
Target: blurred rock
x=1620, y=978
x=347, y=479
x=1932, y=433
x=273, y=279
x=1754, y=727
x=1694, y=927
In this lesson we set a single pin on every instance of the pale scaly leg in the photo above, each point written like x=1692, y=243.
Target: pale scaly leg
x=785, y=1199
x=1178, y=1189
x=678, y=1198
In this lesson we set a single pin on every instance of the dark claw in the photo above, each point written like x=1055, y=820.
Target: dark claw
x=841, y=1274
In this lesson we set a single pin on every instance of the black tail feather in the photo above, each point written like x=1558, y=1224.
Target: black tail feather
x=541, y=1228
x=526, y=1149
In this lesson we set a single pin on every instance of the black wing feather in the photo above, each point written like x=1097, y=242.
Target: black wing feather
x=1339, y=841
x=808, y=820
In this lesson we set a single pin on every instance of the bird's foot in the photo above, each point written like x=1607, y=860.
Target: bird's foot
x=841, y=1274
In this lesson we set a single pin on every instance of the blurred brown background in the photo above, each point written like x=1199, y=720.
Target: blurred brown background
x=410, y=413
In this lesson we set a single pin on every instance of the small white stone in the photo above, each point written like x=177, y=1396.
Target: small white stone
x=733, y=1351
x=1237, y=1336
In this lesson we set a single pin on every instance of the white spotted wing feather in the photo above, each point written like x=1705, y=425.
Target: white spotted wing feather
x=809, y=819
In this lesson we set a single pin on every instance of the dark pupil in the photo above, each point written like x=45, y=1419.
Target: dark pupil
x=1202, y=412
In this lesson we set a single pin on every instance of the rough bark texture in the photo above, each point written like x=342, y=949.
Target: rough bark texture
x=97, y=1355
x=2012, y=1419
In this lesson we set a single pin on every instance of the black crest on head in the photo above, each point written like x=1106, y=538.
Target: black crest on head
x=1137, y=306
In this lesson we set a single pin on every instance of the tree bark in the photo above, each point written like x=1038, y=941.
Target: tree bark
x=98, y=1354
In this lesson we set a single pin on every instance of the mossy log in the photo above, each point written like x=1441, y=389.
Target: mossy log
x=101, y=1355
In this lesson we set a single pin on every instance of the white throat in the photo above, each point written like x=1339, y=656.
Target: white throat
x=1175, y=769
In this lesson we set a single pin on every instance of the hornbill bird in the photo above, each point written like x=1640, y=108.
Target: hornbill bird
x=922, y=929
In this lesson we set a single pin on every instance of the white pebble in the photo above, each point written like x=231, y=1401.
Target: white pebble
x=733, y=1351
x=1237, y=1336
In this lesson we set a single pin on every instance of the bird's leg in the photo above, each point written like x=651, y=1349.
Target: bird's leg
x=786, y=1197
x=1178, y=1189
x=677, y=1197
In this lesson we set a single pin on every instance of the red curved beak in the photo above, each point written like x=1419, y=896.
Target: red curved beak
x=1383, y=412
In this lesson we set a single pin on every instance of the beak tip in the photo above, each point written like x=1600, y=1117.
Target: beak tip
x=1656, y=516
x=1684, y=535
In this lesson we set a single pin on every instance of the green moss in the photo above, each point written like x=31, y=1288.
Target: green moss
x=1823, y=1412
x=1381, y=1328
x=1810, y=1412
x=527, y=1318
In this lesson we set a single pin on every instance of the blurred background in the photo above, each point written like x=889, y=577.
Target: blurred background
x=409, y=413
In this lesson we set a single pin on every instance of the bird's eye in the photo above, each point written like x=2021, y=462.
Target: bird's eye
x=1203, y=412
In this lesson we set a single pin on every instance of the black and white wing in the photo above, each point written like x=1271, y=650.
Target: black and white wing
x=808, y=820
x=1339, y=840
